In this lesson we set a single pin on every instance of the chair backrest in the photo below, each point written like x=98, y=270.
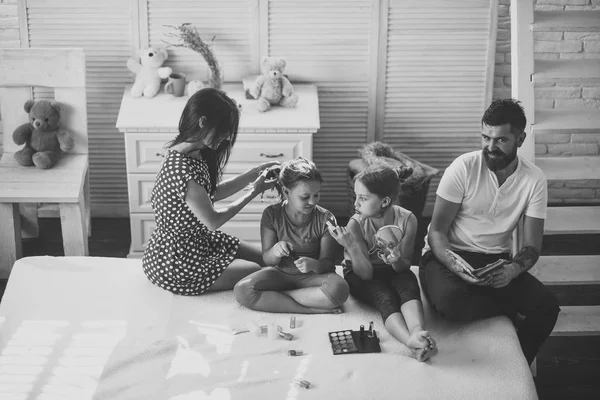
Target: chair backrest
x=60, y=69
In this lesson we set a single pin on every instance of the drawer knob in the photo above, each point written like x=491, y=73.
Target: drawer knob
x=271, y=155
x=160, y=155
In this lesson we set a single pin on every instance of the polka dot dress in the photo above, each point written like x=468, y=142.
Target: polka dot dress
x=183, y=256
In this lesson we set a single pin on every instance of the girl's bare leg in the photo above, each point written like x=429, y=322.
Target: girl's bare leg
x=313, y=297
x=250, y=252
x=396, y=326
x=281, y=302
x=420, y=341
x=239, y=267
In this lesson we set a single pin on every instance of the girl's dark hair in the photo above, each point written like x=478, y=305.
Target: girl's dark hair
x=383, y=180
x=294, y=171
x=221, y=113
x=505, y=111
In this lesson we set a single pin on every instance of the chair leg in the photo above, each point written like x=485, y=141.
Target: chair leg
x=10, y=237
x=87, y=201
x=29, y=220
x=74, y=222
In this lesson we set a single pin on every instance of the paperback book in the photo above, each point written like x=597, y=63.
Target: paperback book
x=472, y=272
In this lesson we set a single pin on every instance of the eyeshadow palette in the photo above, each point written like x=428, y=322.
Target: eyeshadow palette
x=349, y=342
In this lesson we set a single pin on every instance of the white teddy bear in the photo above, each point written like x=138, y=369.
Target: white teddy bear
x=149, y=72
x=192, y=87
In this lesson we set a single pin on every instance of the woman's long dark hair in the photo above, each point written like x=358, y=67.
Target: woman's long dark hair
x=221, y=113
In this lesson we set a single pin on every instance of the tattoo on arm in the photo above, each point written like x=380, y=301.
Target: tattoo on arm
x=526, y=258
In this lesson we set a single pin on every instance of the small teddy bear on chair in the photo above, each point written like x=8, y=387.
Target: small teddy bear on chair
x=43, y=139
x=272, y=87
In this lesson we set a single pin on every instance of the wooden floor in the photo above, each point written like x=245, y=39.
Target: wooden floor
x=568, y=368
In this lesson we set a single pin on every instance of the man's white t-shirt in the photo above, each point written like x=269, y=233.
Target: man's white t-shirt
x=488, y=214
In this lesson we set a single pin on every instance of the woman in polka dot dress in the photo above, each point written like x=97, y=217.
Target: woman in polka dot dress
x=186, y=253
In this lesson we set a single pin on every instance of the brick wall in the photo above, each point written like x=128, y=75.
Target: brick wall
x=554, y=46
x=551, y=46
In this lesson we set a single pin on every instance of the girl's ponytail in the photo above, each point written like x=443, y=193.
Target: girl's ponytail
x=294, y=171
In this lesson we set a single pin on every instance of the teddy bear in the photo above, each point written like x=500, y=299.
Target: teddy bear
x=192, y=87
x=272, y=87
x=41, y=136
x=149, y=71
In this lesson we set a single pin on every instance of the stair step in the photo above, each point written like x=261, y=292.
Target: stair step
x=566, y=21
x=567, y=71
x=569, y=168
x=578, y=321
x=568, y=270
x=566, y=121
x=572, y=220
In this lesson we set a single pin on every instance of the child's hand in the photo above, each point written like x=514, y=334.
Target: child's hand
x=392, y=256
x=343, y=236
x=283, y=248
x=306, y=264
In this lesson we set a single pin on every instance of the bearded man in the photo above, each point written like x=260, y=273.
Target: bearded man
x=480, y=199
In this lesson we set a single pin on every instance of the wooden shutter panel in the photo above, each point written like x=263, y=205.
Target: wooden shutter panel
x=328, y=43
x=436, y=74
x=101, y=28
x=228, y=21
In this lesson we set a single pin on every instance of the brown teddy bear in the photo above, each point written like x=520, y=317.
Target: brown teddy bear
x=272, y=87
x=43, y=140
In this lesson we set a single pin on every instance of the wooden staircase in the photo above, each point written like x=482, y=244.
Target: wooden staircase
x=572, y=220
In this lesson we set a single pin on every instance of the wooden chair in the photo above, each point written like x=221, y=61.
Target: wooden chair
x=67, y=183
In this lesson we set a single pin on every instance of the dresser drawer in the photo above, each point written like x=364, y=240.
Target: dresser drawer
x=140, y=188
x=252, y=149
x=256, y=205
x=145, y=151
x=142, y=226
x=242, y=226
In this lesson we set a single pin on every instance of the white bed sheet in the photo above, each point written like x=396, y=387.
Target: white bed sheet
x=95, y=328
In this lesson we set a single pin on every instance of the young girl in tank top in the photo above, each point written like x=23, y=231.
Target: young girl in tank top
x=378, y=247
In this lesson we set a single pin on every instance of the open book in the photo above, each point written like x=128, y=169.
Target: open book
x=472, y=272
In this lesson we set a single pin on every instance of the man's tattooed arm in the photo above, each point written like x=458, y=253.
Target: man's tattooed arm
x=526, y=258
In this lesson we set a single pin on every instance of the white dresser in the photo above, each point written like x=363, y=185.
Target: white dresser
x=148, y=124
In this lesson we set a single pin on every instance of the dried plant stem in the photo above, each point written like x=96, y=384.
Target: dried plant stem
x=188, y=36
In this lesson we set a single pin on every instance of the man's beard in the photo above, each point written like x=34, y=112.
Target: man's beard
x=501, y=160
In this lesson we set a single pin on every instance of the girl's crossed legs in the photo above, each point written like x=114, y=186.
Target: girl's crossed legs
x=273, y=290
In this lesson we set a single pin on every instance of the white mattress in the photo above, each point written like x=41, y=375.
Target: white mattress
x=95, y=328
